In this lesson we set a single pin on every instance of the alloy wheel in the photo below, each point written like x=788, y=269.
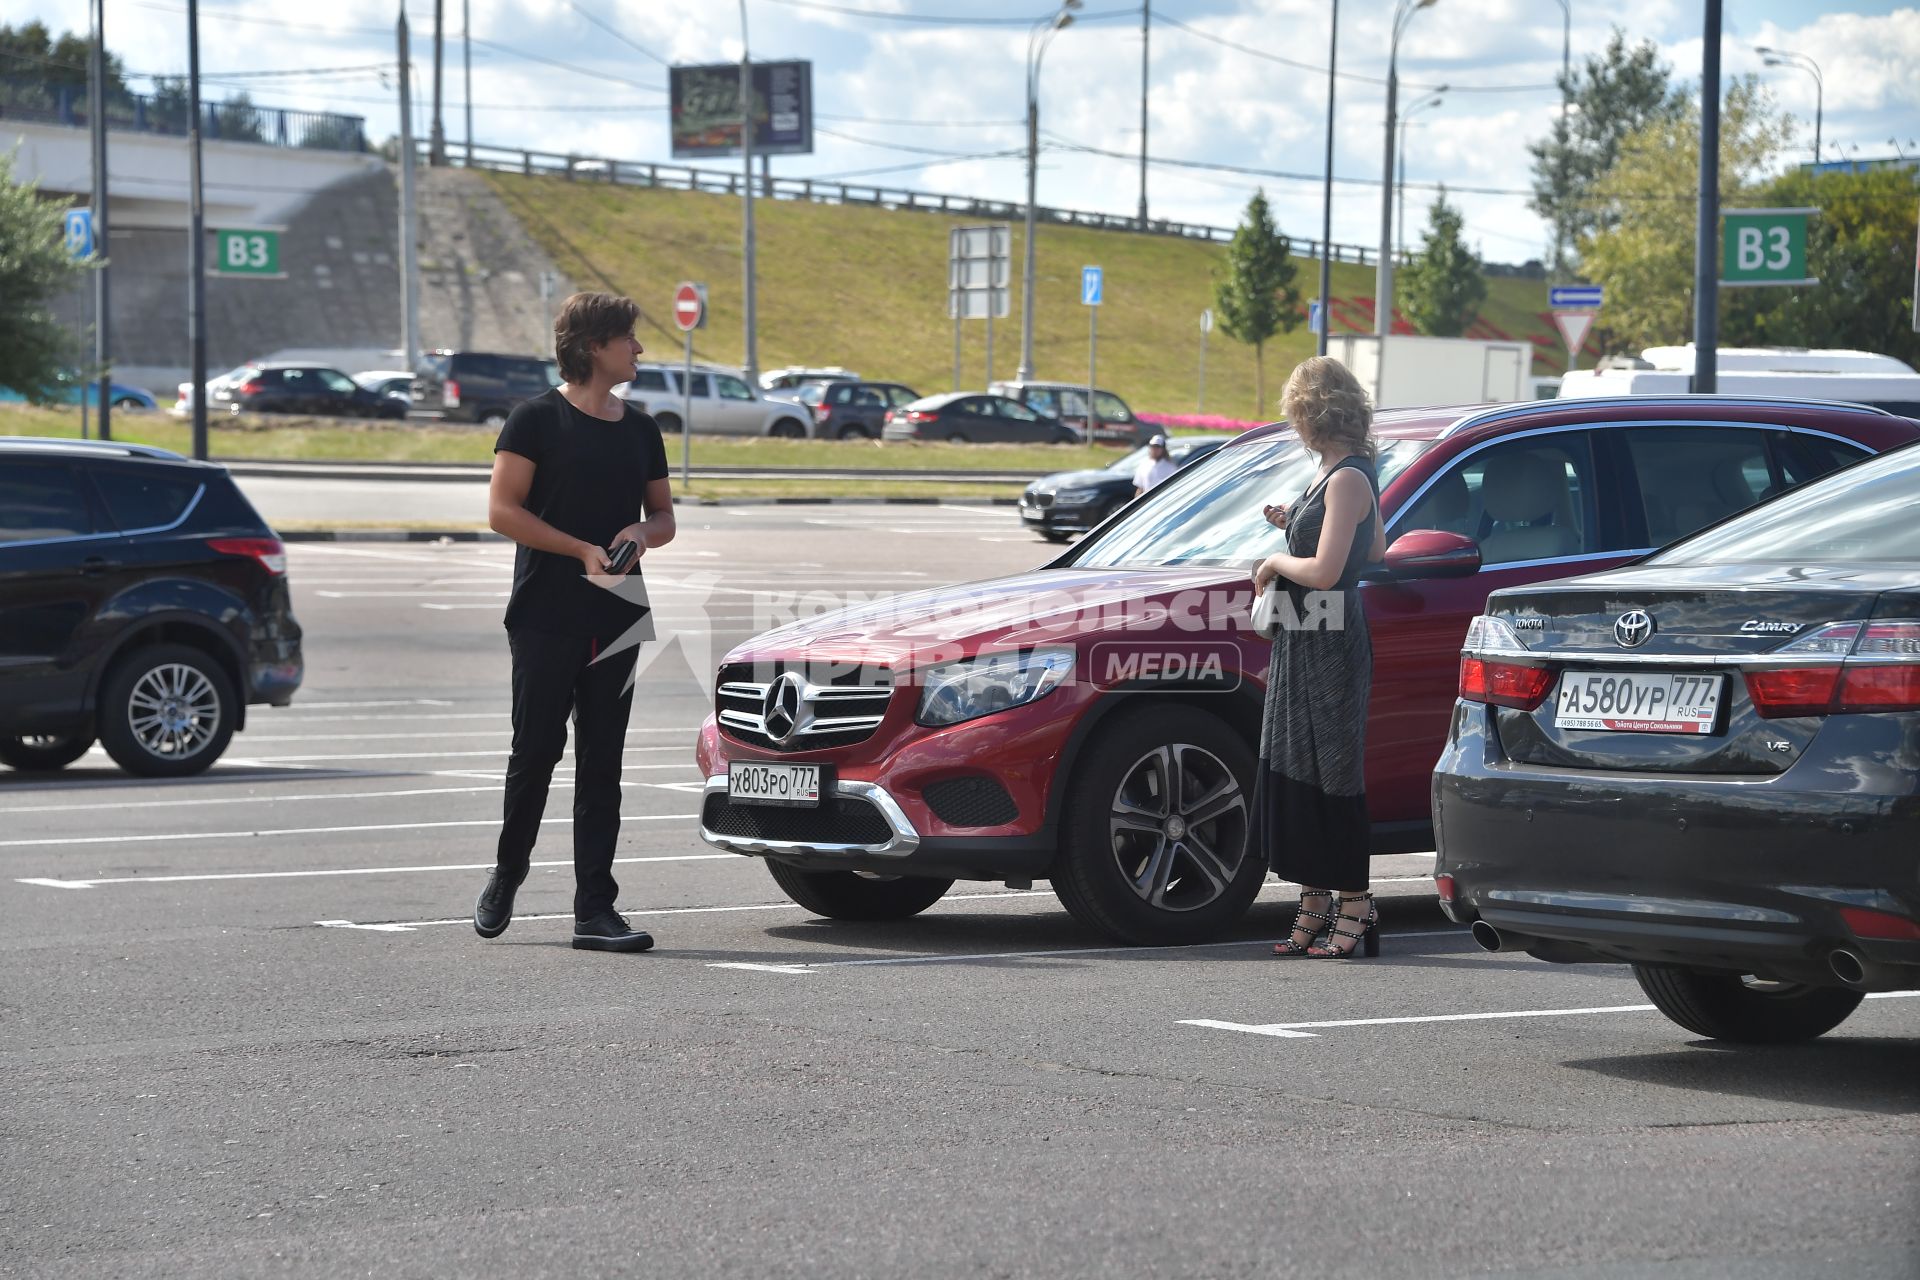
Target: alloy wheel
x=174, y=711
x=1178, y=827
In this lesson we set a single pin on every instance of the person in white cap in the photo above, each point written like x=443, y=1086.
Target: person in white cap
x=1154, y=468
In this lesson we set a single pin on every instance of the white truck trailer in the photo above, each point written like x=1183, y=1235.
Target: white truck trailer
x=1420, y=371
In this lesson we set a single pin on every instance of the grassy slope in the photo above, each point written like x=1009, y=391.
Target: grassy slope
x=866, y=288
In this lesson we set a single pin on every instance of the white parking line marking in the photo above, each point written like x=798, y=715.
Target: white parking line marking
x=393, y=702
x=408, y=926
x=1308, y=1030
x=162, y=836
x=348, y=871
x=436, y=733
x=403, y=755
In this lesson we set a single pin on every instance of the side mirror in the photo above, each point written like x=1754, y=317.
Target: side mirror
x=1433, y=553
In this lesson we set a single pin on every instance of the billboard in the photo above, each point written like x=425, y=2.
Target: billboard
x=706, y=109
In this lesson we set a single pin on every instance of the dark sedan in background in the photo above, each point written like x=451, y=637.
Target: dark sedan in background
x=1707, y=764
x=303, y=388
x=1068, y=502
x=974, y=417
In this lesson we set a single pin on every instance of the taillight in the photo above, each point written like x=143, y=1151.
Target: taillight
x=269, y=552
x=452, y=397
x=921, y=415
x=821, y=412
x=250, y=388
x=1503, y=684
x=1848, y=686
x=1487, y=676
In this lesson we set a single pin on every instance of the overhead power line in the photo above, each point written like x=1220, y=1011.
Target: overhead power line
x=617, y=34
x=1252, y=52
x=938, y=19
x=891, y=146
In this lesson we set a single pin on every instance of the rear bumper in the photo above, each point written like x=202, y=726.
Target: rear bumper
x=1745, y=873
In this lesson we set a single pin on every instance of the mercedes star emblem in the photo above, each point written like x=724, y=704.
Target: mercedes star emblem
x=1633, y=629
x=780, y=716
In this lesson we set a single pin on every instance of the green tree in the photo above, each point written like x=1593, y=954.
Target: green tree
x=1643, y=254
x=1257, y=297
x=34, y=269
x=1443, y=288
x=34, y=67
x=1610, y=98
x=238, y=120
x=1860, y=249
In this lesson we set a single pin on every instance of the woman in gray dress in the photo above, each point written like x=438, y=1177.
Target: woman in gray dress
x=1310, y=803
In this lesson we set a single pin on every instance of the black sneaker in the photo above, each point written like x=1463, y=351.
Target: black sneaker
x=494, y=912
x=609, y=931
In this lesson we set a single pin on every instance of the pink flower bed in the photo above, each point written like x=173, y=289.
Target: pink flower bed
x=1196, y=422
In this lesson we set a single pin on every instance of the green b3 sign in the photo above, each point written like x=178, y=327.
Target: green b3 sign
x=246, y=253
x=1765, y=246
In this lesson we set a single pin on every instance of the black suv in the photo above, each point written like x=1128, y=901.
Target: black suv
x=480, y=386
x=143, y=603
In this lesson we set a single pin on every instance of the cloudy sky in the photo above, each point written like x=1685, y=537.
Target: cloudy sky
x=927, y=95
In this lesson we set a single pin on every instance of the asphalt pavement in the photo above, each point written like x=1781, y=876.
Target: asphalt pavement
x=248, y=1030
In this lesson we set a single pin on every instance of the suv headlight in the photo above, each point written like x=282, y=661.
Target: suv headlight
x=954, y=692
x=1074, y=497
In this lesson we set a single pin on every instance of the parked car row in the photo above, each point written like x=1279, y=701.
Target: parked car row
x=1748, y=845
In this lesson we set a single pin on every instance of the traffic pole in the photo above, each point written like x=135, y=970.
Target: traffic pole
x=97, y=119
x=196, y=239
x=1200, y=401
x=686, y=419
x=1093, y=348
x=1706, y=238
x=1326, y=187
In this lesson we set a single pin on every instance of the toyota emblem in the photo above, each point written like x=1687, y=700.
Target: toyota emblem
x=1633, y=629
x=780, y=715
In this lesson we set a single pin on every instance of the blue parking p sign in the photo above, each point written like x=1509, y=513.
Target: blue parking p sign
x=77, y=233
x=1091, y=284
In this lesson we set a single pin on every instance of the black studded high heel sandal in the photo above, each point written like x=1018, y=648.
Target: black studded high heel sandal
x=1365, y=940
x=1292, y=948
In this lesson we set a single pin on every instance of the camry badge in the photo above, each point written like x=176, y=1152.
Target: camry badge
x=1633, y=629
x=780, y=715
x=1760, y=626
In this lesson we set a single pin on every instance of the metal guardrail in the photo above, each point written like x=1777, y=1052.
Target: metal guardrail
x=166, y=112
x=673, y=177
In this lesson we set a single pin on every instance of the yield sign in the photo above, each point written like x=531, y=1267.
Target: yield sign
x=689, y=307
x=1573, y=327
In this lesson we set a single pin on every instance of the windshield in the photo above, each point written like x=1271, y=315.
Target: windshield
x=1868, y=512
x=1210, y=514
x=1131, y=463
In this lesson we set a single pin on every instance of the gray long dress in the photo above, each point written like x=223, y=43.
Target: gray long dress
x=1310, y=802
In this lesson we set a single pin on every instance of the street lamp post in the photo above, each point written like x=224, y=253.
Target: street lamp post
x=1566, y=92
x=1326, y=190
x=1782, y=58
x=1037, y=42
x=750, y=365
x=1403, y=12
x=1433, y=99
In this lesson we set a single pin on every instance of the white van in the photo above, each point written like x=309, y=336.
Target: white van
x=1859, y=377
x=722, y=402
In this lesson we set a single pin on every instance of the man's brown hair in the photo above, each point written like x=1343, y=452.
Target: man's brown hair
x=585, y=321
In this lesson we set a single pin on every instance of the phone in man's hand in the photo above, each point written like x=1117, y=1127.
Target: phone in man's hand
x=623, y=557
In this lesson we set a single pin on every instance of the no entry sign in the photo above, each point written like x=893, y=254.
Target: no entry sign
x=690, y=306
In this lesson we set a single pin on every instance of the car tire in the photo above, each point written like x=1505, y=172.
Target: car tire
x=1725, y=1006
x=1113, y=863
x=855, y=432
x=128, y=404
x=43, y=752
x=669, y=423
x=207, y=709
x=788, y=429
x=495, y=418
x=847, y=895
x=956, y=437
x=1054, y=535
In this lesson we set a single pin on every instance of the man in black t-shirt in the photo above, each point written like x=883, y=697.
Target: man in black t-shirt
x=576, y=473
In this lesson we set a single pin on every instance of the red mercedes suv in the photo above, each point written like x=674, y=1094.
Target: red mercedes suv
x=1095, y=722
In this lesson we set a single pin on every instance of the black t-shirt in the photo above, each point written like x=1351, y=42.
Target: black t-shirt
x=589, y=480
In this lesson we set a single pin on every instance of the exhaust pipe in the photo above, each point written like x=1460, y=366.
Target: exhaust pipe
x=1867, y=975
x=1492, y=939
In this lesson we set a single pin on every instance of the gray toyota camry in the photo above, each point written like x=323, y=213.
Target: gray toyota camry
x=1707, y=764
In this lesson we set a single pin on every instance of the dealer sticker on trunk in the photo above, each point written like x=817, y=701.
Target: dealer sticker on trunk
x=1638, y=701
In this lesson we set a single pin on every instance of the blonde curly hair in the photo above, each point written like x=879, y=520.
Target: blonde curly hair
x=1326, y=404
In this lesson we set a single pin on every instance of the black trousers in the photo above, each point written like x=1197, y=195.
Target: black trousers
x=555, y=676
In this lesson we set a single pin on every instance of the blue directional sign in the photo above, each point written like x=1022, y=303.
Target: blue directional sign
x=1316, y=320
x=77, y=233
x=1091, y=285
x=1584, y=297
